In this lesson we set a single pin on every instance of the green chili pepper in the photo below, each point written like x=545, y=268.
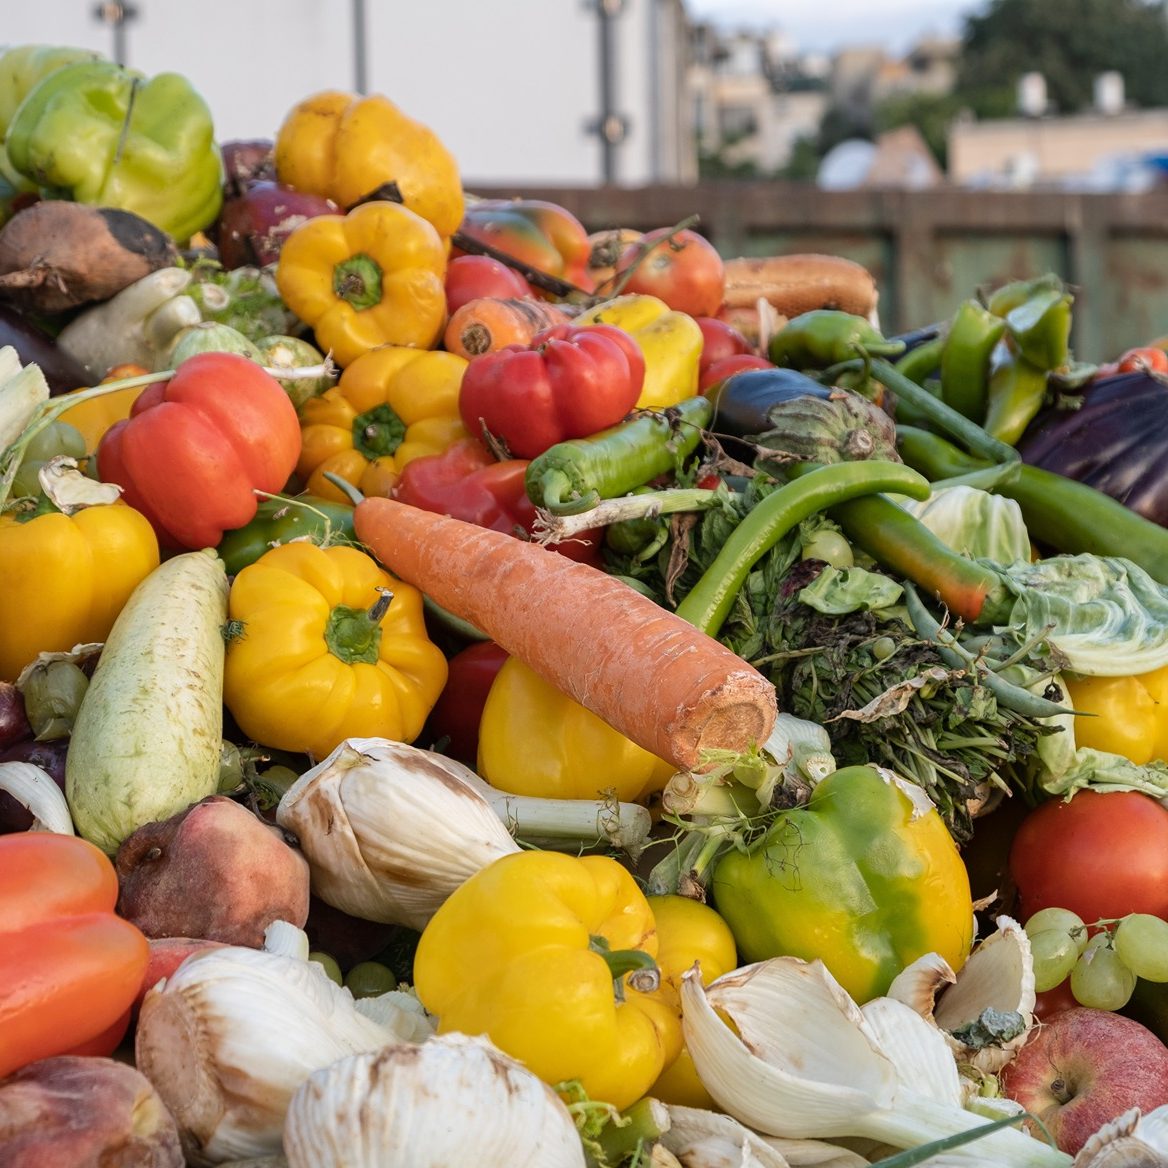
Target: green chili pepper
x=826, y=337
x=572, y=477
x=1009, y=296
x=709, y=602
x=1041, y=328
x=903, y=544
x=922, y=362
x=1016, y=393
x=1060, y=513
x=282, y=519
x=965, y=360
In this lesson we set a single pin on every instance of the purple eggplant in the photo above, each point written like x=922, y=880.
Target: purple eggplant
x=1116, y=441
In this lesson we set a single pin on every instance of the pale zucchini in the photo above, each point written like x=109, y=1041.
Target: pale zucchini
x=147, y=739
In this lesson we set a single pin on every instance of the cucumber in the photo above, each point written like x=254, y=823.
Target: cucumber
x=147, y=739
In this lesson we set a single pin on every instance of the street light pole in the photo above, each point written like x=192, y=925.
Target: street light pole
x=117, y=16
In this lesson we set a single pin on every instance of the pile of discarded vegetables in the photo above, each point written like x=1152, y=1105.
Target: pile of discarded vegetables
x=473, y=691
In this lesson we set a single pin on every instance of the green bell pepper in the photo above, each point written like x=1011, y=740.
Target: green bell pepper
x=98, y=133
x=865, y=877
x=280, y=520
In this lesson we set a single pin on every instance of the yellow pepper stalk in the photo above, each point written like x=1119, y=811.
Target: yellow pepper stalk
x=324, y=645
x=372, y=277
x=66, y=577
x=390, y=406
x=687, y=931
x=535, y=740
x=527, y=952
x=671, y=342
x=344, y=147
x=1129, y=715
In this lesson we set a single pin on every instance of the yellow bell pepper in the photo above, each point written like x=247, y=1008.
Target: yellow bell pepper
x=687, y=931
x=670, y=341
x=1129, y=715
x=375, y=276
x=95, y=416
x=390, y=406
x=535, y=740
x=324, y=645
x=344, y=147
x=66, y=578
x=527, y=951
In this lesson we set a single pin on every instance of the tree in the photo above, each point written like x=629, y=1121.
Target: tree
x=1069, y=42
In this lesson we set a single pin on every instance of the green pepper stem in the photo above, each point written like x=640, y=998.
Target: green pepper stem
x=555, y=488
x=357, y=281
x=623, y=961
x=353, y=635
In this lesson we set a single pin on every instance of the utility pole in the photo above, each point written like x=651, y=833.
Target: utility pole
x=611, y=126
x=117, y=16
x=360, y=55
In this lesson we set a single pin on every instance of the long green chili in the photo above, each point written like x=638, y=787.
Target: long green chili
x=572, y=477
x=709, y=602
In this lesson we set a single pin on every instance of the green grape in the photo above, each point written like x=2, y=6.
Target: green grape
x=1141, y=941
x=330, y=965
x=1054, y=953
x=55, y=438
x=26, y=484
x=367, y=979
x=1061, y=919
x=1100, y=980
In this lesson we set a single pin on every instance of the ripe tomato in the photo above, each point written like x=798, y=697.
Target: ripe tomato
x=1101, y=855
x=1146, y=359
x=719, y=340
x=682, y=268
x=469, y=277
x=727, y=366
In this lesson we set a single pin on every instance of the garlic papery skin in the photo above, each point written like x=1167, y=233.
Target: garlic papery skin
x=709, y=1139
x=452, y=1100
x=33, y=788
x=390, y=831
x=231, y=1035
x=1131, y=1140
x=807, y=1063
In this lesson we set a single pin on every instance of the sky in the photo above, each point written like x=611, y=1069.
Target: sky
x=816, y=26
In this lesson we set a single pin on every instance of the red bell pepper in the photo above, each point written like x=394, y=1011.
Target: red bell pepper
x=543, y=235
x=196, y=448
x=69, y=966
x=466, y=482
x=454, y=720
x=571, y=381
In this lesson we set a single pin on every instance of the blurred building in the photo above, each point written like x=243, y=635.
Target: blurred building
x=1109, y=147
x=570, y=92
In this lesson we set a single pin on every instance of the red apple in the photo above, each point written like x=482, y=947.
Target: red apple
x=1083, y=1068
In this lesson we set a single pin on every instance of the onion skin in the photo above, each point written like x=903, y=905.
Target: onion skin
x=50, y=757
x=14, y=725
x=1116, y=442
x=254, y=224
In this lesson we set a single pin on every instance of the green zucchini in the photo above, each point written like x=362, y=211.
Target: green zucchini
x=147, y=739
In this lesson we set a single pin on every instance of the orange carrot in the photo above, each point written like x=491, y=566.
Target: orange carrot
x=490, y=323
x=644, y=670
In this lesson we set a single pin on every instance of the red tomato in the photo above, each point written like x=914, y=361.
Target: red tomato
x=470, y=277
x=722, y=369
x=1146, y=359
x=682, y=268
x=1101, y=855
x=459, y=708
x=719, y=340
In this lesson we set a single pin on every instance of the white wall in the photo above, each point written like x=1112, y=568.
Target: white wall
x=508, y=85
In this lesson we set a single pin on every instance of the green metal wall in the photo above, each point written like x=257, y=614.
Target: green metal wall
x=929, y=250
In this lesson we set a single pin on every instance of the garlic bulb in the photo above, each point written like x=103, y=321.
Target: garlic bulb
x=390, y=831
x=709, y=1139
x=1130, y=1141
x=452, y=1100
x=804, y=1061
x=231, y=1035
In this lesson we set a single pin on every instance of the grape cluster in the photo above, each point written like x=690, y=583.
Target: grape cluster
x=1103, y=965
